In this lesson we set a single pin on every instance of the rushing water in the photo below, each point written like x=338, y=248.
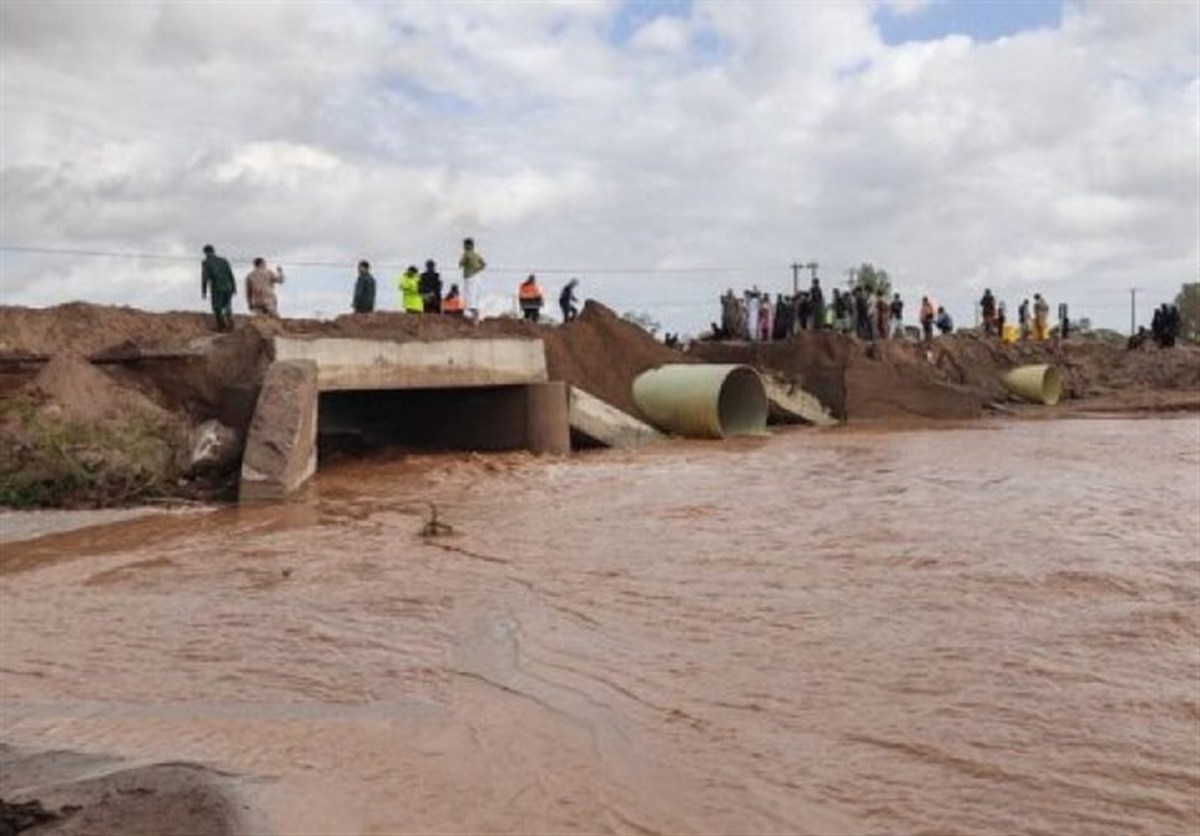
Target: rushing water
x=989, y=629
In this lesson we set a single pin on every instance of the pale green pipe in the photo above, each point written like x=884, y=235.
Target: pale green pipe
x=702, y=400
x=1036, y=384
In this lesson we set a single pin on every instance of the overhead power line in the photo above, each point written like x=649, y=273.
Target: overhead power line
x=349, y=262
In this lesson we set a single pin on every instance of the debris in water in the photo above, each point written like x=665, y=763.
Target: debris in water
x=434, y=527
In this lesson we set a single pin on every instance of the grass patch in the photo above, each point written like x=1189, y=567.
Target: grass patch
x=49, y=460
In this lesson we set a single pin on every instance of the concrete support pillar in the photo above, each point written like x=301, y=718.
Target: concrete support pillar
x=547, y=418
x=281, y=446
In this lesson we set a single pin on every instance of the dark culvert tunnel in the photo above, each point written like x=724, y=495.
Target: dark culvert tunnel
x=485, y=419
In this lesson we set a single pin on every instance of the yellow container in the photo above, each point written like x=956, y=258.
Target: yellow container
x=1036, y=384
x=1011, y=332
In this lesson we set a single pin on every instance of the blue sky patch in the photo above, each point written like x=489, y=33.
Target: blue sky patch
x=633, y=14
x=982, y=20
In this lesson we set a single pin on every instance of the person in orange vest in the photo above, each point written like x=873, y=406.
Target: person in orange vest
x=530, y=297
x=453, y=303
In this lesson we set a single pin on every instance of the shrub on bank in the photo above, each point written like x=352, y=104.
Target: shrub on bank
x=49, y=459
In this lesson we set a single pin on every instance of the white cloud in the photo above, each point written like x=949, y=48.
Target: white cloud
x=663, y=34
x=741, y=136
x=908, y=8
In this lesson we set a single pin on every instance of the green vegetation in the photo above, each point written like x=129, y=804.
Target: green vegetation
x=1188, y=302
x=643, y=320
x=873, y=279
x=50, y=460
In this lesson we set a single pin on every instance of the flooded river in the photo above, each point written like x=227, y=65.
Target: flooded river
x=989, y=629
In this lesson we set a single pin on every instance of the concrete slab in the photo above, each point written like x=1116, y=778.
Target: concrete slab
x=281, y=447
x=602, y=423
x=790, y=404
x=347, y=364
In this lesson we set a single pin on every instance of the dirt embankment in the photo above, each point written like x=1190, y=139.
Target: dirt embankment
x=101, y=405
x=958, y=376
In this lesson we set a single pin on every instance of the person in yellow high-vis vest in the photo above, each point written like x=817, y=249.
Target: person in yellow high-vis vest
x=409, y=285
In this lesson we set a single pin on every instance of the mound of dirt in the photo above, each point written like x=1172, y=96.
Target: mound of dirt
x=73, y=436
x=82, y=392
x=602, y=354
x=90, y=330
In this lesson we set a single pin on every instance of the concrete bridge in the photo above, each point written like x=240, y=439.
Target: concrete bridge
x=476, y=394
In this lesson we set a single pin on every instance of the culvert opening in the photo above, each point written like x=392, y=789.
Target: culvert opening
x=742, y=403
x=488, y=419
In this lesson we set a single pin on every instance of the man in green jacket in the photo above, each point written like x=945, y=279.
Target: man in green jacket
x=410, y=291
x=216, y=274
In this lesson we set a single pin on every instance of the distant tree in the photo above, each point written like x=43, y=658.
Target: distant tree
x=873, y=279
x=1188, y=302
x=643, y=320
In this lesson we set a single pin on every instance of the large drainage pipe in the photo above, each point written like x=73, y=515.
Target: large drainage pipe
x=702, y=400
x=1036, y=384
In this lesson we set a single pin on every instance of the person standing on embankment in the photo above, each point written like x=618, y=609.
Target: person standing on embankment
x=216, y=276
x=896, y=310
x=566, y=301
x=1041, y=318
x=472, y=264
x=529, y=297
x=260, y=288
x=430, y=286
x=987, y=304
x=926, y=319
x=409, y=285
x=364, y=289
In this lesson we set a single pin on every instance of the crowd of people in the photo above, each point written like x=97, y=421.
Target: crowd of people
x=869, y=315
x=1164, y=328
x=756, y=316
x=418, y=292
x=753, y=315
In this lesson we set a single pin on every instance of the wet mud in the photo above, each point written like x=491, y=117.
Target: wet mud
x=993, y=628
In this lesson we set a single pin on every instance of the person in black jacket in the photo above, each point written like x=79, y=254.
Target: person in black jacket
x=566, y=301
x=430, y=287
x=988, y=305
x=364, y=289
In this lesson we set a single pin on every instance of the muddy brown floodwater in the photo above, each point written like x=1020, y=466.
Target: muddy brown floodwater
x=989, y=629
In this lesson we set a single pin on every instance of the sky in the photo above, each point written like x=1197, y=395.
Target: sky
x=659, y=151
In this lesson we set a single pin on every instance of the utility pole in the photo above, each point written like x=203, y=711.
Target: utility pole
x=812, y=266
x=1132, y=311
x=796, y=268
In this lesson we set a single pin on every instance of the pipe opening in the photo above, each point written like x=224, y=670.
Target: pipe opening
x=1051, y=386
x=742, y=403
x=1035, y=384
